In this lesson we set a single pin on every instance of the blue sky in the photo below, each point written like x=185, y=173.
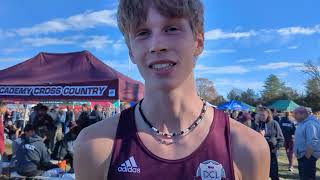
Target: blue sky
x=245, y=40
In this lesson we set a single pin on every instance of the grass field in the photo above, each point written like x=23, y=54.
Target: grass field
x=283, y=167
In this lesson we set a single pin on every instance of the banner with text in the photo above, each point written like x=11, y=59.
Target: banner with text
x=61, y=92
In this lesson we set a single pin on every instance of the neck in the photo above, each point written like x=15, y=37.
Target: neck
x=173, y=110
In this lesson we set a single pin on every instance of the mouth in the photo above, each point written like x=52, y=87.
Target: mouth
x=162, y=66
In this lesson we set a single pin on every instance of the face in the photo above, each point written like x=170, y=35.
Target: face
x=262, y=116
x=164, y=50
x=42, y=112
x=84, y=108
x=299, y=116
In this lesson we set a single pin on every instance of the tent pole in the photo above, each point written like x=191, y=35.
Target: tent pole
x=118, y=108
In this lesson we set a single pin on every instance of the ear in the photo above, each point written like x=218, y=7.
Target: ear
x=199, y=44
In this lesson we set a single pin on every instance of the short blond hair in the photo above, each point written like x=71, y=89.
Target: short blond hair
x=132, y=13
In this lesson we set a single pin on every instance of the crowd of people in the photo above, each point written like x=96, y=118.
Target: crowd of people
x=297, y=131
x=42, y=134
x=49, y=134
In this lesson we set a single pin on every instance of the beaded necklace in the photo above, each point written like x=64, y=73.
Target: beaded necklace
x=158, y=134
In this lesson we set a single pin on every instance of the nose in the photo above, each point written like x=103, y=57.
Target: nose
x=158, y=44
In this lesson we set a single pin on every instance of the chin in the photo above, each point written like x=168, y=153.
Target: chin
x=164, y=85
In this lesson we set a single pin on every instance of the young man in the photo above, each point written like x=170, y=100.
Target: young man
x=32, y=155
x=96, y=115
x=27, y=133
x=171, y=134
x=45, y=121
x=84, y=117
x=307, y=143
x=288, y=128
x=273, y=134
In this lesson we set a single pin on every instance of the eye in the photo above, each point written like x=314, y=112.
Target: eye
x=171, y=29
x=142, y=33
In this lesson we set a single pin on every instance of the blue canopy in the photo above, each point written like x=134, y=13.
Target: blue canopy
x=233, y=105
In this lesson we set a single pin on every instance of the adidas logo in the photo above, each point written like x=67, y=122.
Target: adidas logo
x=129, y=166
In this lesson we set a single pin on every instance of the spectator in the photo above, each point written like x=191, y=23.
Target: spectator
x=309, y=110
x=60, y=124
x=257, y=124
x=96, y=115
x=44, y=121
x=26, y=114
x=16, y=117
x=109, y=111
x=239, y=116
x=32, y=155
x=288, y=128
x=307, y=143
x=84, y=120
x=234, y=114
x=54, y=113
x=69, y=118
x=3, y=109
x=273, y=134
x=11, y=130
x=65, y=150
x=275, y=115
x=245, y=119
x=27, y=133
x=34, y=113
x=7, y=115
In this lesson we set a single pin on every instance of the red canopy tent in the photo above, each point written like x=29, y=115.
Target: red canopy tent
x=67, y=76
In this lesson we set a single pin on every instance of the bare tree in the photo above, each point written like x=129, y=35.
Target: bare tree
x=312, y=70
x=206, y=89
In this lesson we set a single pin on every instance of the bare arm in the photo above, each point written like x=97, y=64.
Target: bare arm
x=93, y=150
x=250, y=153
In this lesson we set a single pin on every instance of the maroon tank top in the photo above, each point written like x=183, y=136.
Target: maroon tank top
x=132, y=160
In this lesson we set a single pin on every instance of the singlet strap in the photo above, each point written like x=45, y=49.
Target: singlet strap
x=125, y=131
x=223, y=122
x=229, y=146
x=126, y=126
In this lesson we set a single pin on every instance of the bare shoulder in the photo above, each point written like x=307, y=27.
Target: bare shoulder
x=250, y=152
x=93, y=149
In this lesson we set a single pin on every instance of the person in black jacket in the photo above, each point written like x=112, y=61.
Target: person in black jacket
x=273, y=135
x=288, y=128
x=44, y=121
x=275, y=115
x=96, y=115
x=32, y=155
x=84, y=118
x=65, y=150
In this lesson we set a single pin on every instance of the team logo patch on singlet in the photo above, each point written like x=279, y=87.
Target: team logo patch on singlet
x=211, y=170
x=129, y=166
